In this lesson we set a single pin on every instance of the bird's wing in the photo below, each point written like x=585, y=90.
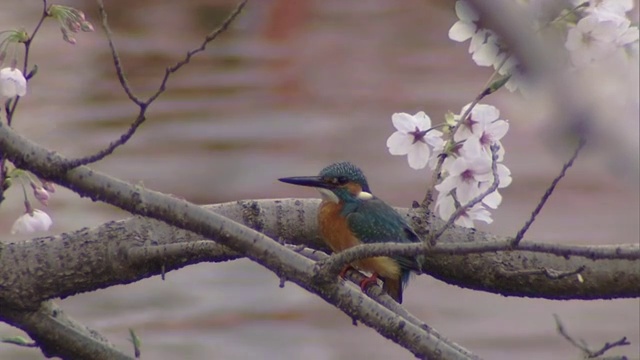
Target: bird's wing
x=373, y=221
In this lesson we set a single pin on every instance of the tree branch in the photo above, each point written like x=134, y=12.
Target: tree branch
x=547, y=194
x=130, y=250
x=59, y=335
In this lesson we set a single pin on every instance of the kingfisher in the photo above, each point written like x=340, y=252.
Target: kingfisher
x=350, y=215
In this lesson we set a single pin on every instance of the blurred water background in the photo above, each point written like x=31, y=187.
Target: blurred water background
x=294, y=86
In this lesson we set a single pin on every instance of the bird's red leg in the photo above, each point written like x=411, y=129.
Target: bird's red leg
x=366, y=282
x=343, y=273
x=373, y=279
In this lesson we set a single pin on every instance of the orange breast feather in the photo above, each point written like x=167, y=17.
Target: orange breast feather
x=335, y=231
x=334, y=228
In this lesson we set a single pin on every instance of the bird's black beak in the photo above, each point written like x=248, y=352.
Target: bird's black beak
x=312, y=181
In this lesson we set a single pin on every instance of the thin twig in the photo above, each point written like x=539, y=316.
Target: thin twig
x=335, y=263
x=209, y=38
x=547, y=194
x=116, y=57
x=582, y=345
x=144, y=105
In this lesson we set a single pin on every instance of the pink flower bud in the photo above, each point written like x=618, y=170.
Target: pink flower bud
x=40, y=194
x=78, y=13
x=49, y=186
x=72, y=25
x=86, y=26
x=30, y=222
x=68, y=38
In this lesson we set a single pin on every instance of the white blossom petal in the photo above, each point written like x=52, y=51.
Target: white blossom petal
x=449, y=183
x=418, y=155
x=12, y=82
x=492, y=200
x=434, y=138
x=462, y=31
x=504, y=174
x=628, y=36
x=478, y=212
x=478, y=39
x=399, y=143
x=498, y=129
x=486, y=54
x=464, y=220
x=422, y=120
x=484, y=113
x=465, y=12
x=467, y=191
x=472, y=147
x=403, y=122
x=445, y=207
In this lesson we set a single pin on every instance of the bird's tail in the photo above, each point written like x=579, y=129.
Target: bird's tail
x=393, y=287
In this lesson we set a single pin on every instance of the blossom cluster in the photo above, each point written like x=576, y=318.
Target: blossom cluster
x=13, y=84
x=71, y=21
x=486, y=47
x=466, y=158
x=601, y=29
x=593, y=30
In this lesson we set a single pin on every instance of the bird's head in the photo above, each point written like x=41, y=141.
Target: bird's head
x=340, y=181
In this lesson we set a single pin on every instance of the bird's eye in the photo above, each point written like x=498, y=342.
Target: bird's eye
x=338, y=180
x=341, y=180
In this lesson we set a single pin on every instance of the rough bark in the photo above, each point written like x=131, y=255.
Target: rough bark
x=133, y=249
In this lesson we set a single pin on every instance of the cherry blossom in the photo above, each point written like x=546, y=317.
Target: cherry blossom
x=465, y=175
x=591, y=39
x=464, y=28
x=475, y=123
x=413, y=138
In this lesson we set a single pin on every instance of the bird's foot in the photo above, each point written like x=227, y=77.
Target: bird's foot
x=343, y=272
x=371, y=280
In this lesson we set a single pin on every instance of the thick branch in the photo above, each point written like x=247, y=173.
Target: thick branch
x=127, y=251
x=59, y=335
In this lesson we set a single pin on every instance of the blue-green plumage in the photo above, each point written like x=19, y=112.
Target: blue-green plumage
x=345, y=172
x=373, y=221
x=350, y=214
